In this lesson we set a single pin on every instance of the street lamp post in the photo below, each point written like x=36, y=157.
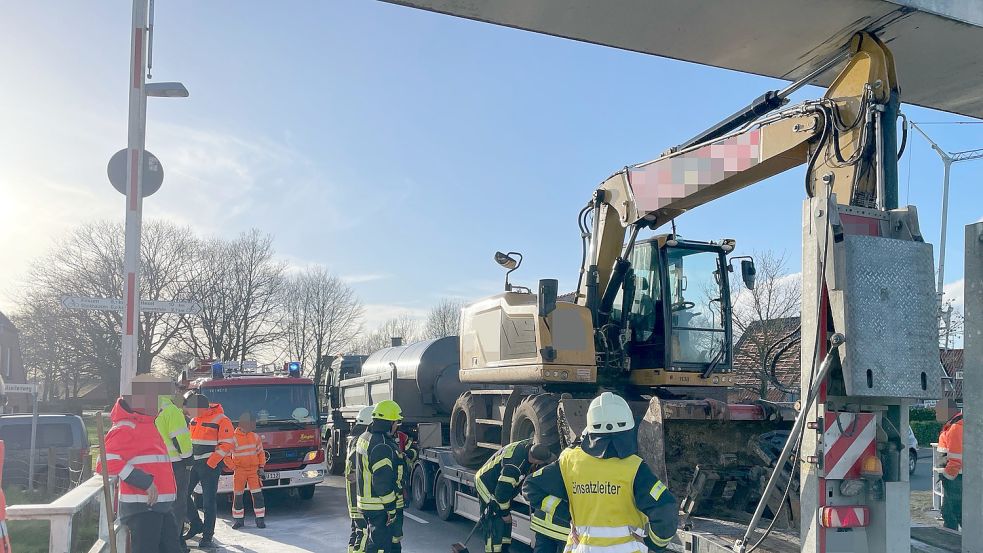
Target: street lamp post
x=139, y=90
x=947, y=160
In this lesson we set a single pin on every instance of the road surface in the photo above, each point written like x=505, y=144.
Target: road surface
x=321, y=525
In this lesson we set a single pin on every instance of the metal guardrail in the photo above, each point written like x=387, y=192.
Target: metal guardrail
x=61, y=513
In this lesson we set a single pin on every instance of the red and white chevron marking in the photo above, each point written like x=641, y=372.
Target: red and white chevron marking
x=844, y=517
x=846, y=443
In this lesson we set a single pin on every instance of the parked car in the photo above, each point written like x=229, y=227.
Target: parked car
x=61, y=436
x=912, y=451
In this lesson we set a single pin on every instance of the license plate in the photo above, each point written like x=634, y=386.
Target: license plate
x=272, y=476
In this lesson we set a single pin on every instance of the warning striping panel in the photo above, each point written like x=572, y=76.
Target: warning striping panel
x=847, y=439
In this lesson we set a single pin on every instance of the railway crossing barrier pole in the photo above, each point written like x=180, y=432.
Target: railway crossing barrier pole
x=973, y=392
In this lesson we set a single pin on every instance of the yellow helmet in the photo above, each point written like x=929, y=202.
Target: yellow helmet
x=387, y=410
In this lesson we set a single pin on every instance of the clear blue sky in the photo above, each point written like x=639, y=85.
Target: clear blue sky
x=395, y=147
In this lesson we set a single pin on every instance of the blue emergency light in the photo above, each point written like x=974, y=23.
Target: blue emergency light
x=293, y=369
x=217, y=371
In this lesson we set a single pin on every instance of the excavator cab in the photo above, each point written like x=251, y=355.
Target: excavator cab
x=678, y=316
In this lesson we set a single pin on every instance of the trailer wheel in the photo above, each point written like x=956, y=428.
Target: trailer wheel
x=536, y=417
x=444, y=498
x=422, y=497
x=336, y=463
x=464, y=433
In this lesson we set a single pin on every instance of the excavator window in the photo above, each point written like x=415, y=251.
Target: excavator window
x=696, y=302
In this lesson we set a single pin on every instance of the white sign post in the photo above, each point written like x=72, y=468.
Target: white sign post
x=33, y=390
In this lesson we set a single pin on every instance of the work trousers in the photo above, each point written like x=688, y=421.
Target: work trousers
x=182, y=475
x=398, y=532
x=153, y=532
x=356, y=541
x=545, y=544
x=207, y=476
x=952, y=502
x=242, y=479
x=498, y=533
x=378, y=535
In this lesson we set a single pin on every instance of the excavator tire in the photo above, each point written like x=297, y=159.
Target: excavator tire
x=464, y=433
x=536, y=417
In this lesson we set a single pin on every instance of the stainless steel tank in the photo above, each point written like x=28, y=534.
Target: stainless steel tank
x=422, y=377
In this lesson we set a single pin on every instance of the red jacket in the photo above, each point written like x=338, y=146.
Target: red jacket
x=137, y=455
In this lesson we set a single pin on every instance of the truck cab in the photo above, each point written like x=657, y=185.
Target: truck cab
x=285, y=408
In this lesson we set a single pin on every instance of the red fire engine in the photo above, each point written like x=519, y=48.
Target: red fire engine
x=285, y=408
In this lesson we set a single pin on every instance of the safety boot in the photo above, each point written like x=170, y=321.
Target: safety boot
x=237, y=524
x=260, y=522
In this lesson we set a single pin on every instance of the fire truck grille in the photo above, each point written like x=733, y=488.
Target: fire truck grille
x=287, y=455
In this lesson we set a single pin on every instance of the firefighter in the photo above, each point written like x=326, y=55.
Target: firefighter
x=408, y=453
x=497, y=482
x=376, y=478
x=211, y=439
x=550, y=522
x=356, y=539
x=616, y=503
x=247, y=462
x=136, y=454
x=173, y=428
x=951, y=447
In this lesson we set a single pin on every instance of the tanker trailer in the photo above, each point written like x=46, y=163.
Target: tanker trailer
x=421, y=377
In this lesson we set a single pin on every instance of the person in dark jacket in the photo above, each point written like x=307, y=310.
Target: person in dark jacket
x=497, y=483
x=377, y=461
x=549, y=522
x=616, y=503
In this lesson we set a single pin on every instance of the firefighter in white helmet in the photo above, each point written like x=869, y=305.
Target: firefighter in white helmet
x=617, y=505
x=357, y=537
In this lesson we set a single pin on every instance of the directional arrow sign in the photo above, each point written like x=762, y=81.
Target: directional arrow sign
x=20, y=388
x=150, y=306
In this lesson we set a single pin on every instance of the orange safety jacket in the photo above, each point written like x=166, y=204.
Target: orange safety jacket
x=247, y=452
x=952, y=437
x=211, y=435
x=136, y=454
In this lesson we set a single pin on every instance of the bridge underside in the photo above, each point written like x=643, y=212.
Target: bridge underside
x=936, y=43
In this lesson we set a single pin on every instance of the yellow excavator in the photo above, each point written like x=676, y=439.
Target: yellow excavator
x=651, y=318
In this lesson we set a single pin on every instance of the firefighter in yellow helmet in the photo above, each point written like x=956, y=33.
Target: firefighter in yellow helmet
x=617, y=505
x=356, y=540
x=376, y=478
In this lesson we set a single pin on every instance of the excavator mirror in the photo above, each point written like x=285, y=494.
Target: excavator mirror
x=548, y=288
x=505, y=260
x=748, y=273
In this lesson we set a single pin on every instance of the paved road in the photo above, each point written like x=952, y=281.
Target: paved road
x=921, y=480
x=321, y=525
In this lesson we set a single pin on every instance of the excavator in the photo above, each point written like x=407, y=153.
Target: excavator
x=651, y=318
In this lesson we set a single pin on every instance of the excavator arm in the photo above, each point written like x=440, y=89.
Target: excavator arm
x=847, y=138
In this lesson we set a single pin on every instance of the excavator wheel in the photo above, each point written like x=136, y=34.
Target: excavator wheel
x=536, y=417
x=464, y=432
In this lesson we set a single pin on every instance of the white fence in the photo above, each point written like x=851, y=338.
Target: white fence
x=937, y=491
x=61, y=514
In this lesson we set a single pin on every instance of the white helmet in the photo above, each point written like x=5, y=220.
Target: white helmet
x=364, y=417
x=609, y=413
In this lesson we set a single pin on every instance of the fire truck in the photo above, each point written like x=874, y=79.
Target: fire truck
x=285, y=407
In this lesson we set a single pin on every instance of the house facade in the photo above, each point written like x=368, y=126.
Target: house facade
x=12, y=366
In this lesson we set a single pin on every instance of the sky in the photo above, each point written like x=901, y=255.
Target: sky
x=397, y=148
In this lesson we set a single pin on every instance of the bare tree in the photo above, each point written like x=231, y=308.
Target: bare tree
x=951, y=325
x=322, y=318
x=444, y=319
x=89, y=263
x=760, y=316
x=242, y=291
x=403, y=326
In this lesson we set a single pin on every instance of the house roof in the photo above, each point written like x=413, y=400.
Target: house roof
x=748, y=354
x=5, y=322
x=952, y=361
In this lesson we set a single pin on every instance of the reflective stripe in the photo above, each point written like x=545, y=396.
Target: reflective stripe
x=178, y=432
x=204, y=442
x=381, y=463
x=508, y=479
x=142, y=497
x=225, y=441
x=483, y=492
x=657, y=490
x=955, y=456
x=942, y=449
x=630, y=547
x=144, y=459
x=121, y=424
x=113, y=457
x=125, y=471
x=656, y=539
x=558, y=533
x=606, y=531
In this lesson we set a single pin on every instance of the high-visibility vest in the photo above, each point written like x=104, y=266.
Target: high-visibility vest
x=602, y=502
x=247, y=452
x=133, y=443
x=211, y=435
x=368, y=461
x=173, y=428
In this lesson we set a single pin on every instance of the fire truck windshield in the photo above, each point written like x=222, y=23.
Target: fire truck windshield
x=270, y=405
